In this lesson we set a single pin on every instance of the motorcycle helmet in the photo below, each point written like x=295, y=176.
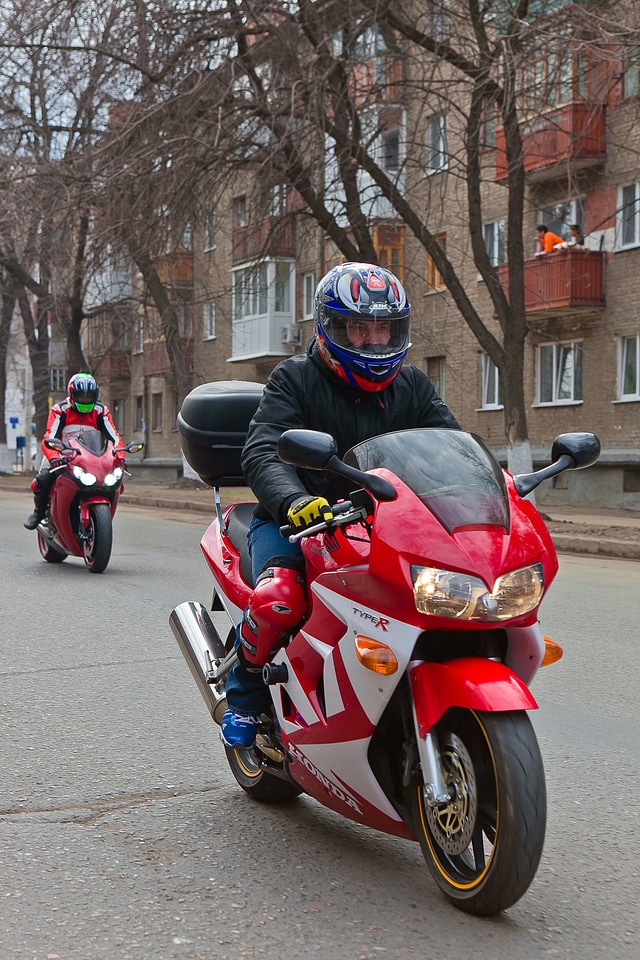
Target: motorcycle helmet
x=82, y=391
x=362, y=321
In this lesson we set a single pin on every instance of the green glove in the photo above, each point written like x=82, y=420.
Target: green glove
x=306, y=511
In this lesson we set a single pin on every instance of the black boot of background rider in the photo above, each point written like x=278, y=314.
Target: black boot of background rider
x=41, y=488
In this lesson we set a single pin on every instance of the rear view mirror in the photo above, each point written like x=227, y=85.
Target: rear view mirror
x=583, y=448
x=307, y=448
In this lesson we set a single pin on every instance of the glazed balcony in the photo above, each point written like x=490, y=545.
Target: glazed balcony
x=114, y=365
x=378, y=79
x=562, y=283
x=175, y=267
x=572, y=136
x=270, y=237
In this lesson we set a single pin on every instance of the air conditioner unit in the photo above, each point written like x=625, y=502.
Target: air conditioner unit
x=292, y=334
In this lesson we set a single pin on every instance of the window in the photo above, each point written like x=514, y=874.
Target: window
x=283, y=287
x=156, y=411
x=138, y=334
x=494, y=241
x=631, y=74
x=209, y=320
x=57, y=379
x=629, y=216
x=185, y=318
x=560, y=373
x=118, y=415
x=437, y=158
x=558, y=216
x=210, y=230
x=439, y=17
x=434, y=279
x=277, y=200
x=139, y=415
x=308, y=291
x=491, y=388
x=488, y=127
x=391, y=151
x=239, y=211
x=629, y=369
x=435, y=372
x=250, y=292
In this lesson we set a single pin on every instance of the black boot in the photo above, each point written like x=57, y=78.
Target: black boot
x=33, y=520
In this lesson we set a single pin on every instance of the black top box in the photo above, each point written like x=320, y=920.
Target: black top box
x=213, y=423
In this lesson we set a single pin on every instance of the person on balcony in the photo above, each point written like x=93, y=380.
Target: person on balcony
x=352, y=382
x=546, y=240
x=575, y=241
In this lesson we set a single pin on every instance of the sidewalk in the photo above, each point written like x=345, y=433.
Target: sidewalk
x=608, y=533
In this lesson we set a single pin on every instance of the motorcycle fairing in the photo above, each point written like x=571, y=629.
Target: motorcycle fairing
x=470, y=683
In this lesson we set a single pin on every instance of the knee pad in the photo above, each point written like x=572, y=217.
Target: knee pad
x=35, y=486
x=278, y=603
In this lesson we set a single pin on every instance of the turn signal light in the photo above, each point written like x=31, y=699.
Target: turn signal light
x=552, y=652
x=376, y=656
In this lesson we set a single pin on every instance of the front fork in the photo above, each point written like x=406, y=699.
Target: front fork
x=436, y=791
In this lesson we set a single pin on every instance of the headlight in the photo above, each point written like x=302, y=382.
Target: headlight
x=444, y=593
x=112, y=478
x=87, y=478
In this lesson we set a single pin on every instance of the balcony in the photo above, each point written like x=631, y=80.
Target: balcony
x=562, y=283
x=156, y=359
x=175, y=267
x=571, y=135
x=115, y=365
x=378, y=79
x=269, y=237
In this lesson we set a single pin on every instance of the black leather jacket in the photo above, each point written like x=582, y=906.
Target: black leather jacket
x=303, y=392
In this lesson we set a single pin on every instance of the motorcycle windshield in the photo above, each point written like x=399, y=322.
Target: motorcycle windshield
x=92, y=440
x=452, y=472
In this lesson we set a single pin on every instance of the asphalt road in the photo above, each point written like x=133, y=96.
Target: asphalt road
x=124, y=836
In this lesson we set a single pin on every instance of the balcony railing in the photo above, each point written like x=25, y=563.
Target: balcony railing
x=378, y=79
x=574, y=134
x=156, y=358
x=269, y=237
x=175, y=267
x=562, y=282
x=115, y=365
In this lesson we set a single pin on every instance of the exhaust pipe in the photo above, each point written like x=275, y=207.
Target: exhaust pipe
x=203, y=650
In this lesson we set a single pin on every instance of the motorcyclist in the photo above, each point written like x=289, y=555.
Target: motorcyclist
x=67, y=419
x=353, y=383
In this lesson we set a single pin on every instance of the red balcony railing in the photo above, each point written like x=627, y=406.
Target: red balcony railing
x=378, y=79
x=156, y=358
x=562, y=282
x=115, y=365
x=268, y=237
x=574, y=133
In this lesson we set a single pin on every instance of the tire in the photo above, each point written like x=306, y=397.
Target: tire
x=97, y=549
x=50, y=553
x=484, y=848
x=255, y=781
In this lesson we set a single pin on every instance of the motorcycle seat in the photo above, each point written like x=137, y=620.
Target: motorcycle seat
x=238, y=522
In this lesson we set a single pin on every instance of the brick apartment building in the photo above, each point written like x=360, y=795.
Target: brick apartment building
x=243, y=275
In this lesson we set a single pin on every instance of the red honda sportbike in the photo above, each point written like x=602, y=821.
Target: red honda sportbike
x=89, y=473
x=401, y=702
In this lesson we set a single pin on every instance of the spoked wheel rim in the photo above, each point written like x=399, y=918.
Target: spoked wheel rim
x=463, y=834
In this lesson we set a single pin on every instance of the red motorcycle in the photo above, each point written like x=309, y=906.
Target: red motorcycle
x=401, y=701
x=89, y=480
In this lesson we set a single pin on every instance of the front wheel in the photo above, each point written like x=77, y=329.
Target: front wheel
x=255, y=781
x=97, y=548
x=484, y=847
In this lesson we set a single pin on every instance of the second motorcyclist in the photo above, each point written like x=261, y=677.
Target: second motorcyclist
x=67, y=419
x=353, y=383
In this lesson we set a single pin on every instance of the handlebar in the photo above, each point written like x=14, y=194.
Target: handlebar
x=343, y=514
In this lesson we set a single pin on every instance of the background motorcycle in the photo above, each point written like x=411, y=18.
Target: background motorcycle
x=89, y=476
x=401, y=702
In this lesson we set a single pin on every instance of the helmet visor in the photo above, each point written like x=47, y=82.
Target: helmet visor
x=369, y=338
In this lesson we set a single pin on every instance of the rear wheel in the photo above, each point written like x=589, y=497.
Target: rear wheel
x=97, y=549
x=258, y=783
x=484, y=847
x=50, y=553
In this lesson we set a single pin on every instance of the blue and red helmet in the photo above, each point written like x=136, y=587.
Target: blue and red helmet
x=82, y=391
x=362, y=323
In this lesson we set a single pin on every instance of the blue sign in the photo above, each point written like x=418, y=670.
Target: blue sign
x=14, y=421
